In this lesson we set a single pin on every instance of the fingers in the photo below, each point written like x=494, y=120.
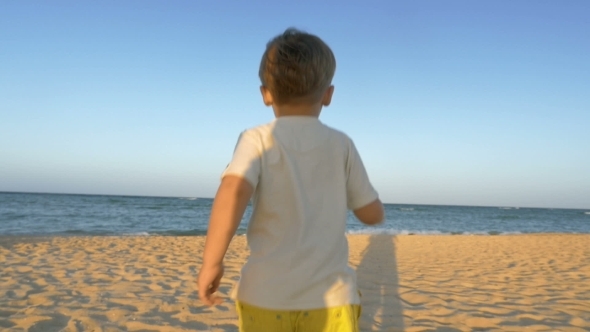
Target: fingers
x=206, y=296
x=210, y=299
x=215, y=284
x=208, y=283
x=206, y=293
x=203, y=296
x=216, y=300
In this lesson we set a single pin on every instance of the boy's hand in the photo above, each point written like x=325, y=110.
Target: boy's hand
x=208, y=283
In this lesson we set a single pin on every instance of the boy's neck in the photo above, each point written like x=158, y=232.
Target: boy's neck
x=297, y=110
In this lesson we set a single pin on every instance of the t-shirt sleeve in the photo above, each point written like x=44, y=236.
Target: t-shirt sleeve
x=245, y=162
x=359, y=191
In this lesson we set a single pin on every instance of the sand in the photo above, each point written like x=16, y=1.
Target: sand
x=409, y=283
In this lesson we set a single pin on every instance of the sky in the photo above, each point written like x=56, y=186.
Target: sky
x=481, y=103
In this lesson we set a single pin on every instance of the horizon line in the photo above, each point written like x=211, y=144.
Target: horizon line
x=176, y=196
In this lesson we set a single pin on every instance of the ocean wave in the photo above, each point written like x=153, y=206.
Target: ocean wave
x=588, y=212
x=12, y=216
x=188, y=198
x=136, y=234
x=154, y=207
x=114, y=200
x=508, y=208
x=508, y=217
x=393, y=232
x=406, y=209
x=192, y=232
x=75, y=231
x=413, y=232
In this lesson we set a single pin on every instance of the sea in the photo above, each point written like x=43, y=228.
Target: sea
x=37, y=214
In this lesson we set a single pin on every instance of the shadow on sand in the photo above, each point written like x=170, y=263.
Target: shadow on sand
x=379, y=284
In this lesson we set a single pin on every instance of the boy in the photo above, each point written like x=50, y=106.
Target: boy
x=303, y=177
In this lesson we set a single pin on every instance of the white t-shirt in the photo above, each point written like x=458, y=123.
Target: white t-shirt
x=306, y=177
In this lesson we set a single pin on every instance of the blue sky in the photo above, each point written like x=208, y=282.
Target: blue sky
x=448, y=102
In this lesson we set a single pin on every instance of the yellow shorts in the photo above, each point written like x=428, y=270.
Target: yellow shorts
x=338, y=319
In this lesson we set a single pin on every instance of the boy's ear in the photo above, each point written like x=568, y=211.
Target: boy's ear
x=266, y=96
x=327, y=98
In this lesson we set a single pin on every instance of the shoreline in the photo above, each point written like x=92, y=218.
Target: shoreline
x=18, y=238
x=538, y=281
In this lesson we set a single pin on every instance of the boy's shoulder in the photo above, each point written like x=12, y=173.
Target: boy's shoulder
x=266, y=131
x=261, y=129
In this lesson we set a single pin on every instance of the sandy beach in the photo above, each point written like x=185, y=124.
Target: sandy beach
x=408, y=283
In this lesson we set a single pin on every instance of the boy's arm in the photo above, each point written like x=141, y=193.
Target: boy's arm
x=363, y=200
x=228, y=208
x=371, y=214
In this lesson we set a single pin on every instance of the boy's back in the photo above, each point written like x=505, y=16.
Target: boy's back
x=303, y=177
x=307, y=176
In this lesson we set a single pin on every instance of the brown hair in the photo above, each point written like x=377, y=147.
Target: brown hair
x=297, y=67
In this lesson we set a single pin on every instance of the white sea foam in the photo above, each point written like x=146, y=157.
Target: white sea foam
x=406, y=209
x=188, y=198
x=375, y=231
x=382, y=231
x=137, y=234
x=588, y=212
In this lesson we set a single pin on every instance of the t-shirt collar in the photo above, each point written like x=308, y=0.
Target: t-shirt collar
x=303, y=119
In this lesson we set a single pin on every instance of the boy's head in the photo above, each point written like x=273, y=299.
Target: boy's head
x=297, y=68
